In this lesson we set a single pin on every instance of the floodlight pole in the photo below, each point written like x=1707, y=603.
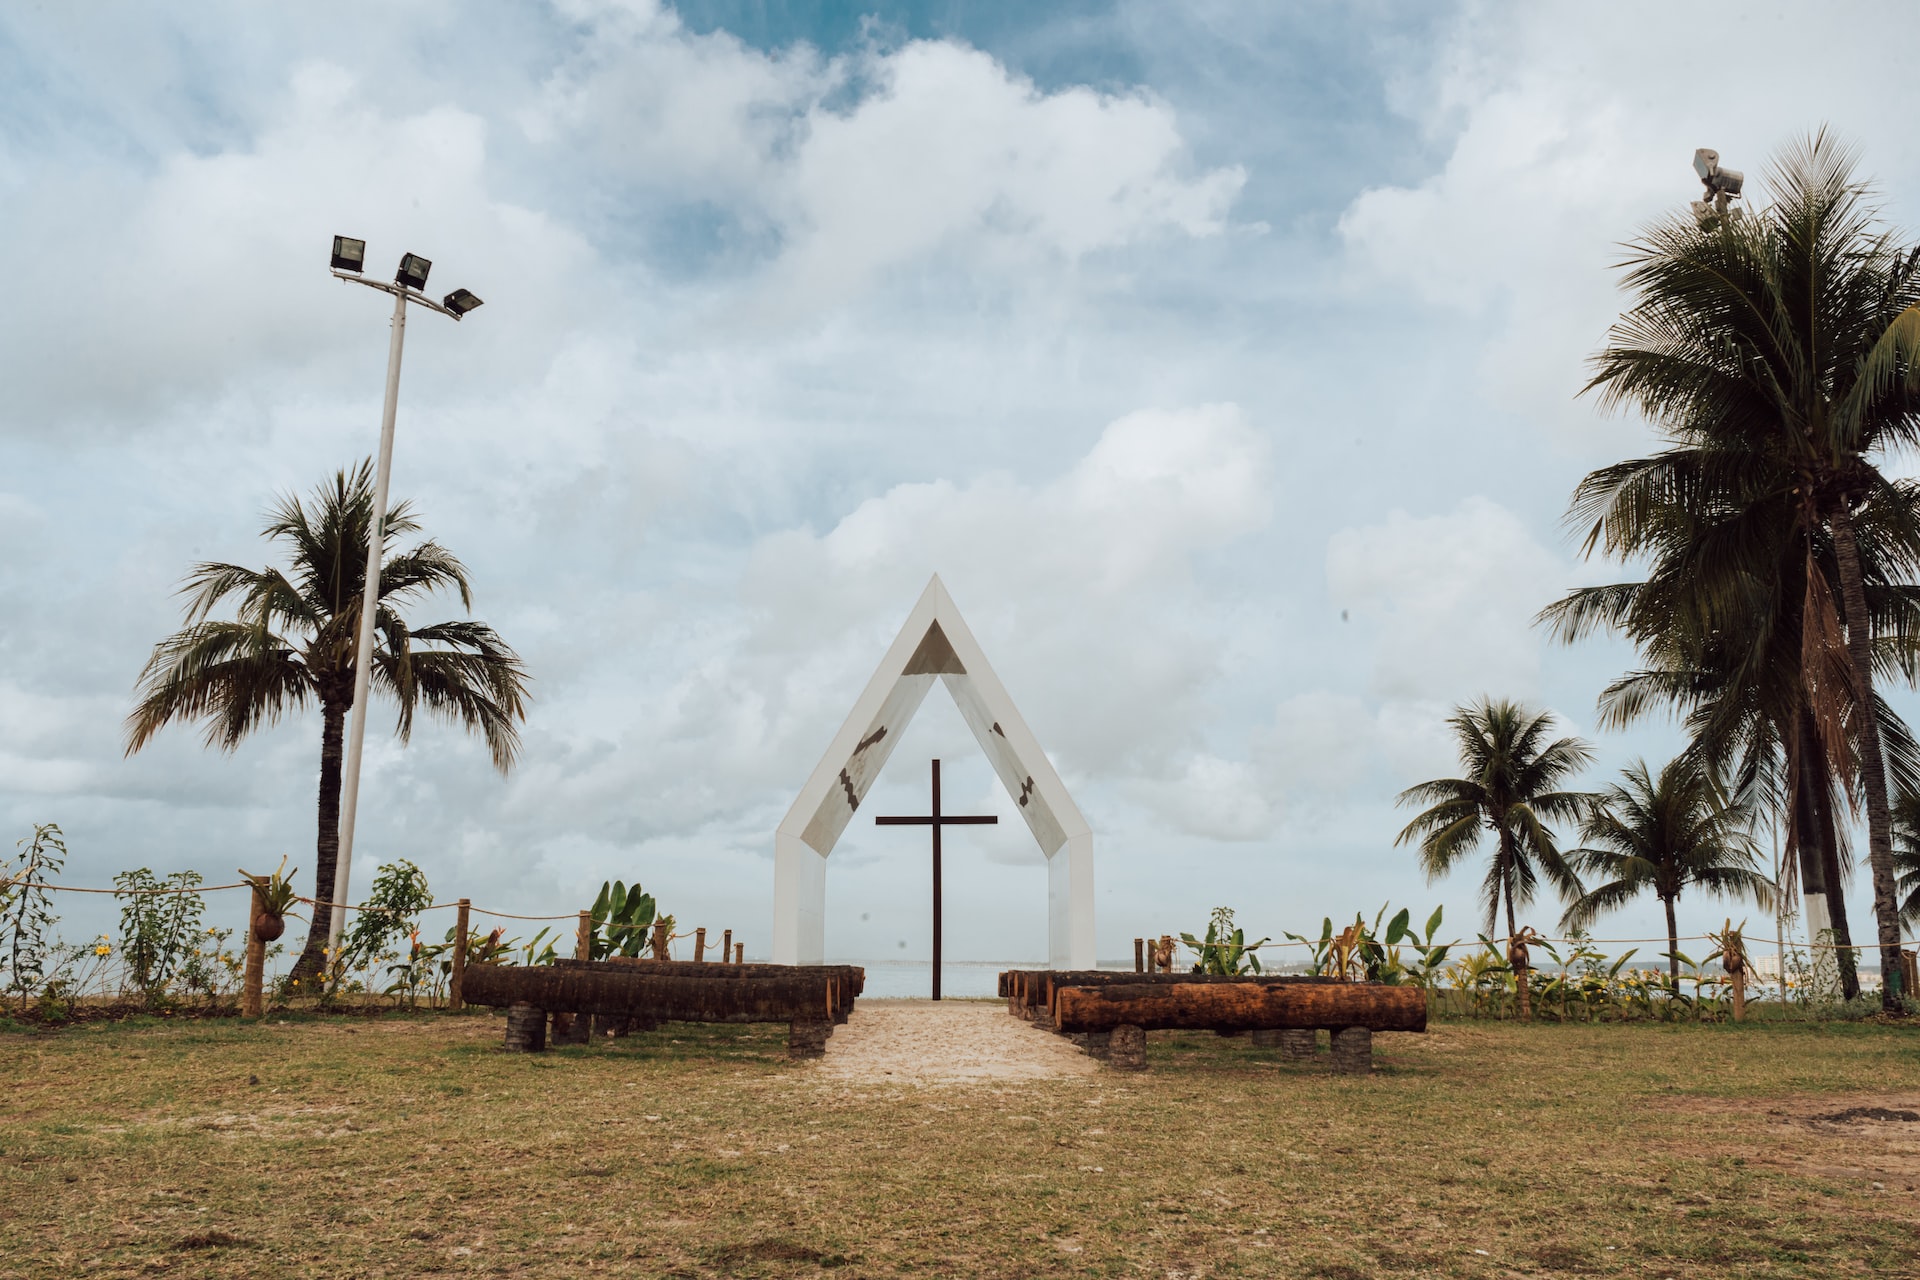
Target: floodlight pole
x=370, y=594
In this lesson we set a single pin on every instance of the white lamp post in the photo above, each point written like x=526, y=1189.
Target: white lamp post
x=349, y=256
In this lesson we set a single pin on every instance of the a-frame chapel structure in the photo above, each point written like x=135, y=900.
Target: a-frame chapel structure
x=934, y=644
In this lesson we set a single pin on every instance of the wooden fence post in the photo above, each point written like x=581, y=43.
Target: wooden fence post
x=726, y=946
x=251, y=1003
x=1139, y=955
x=457, y=983
x=583, y=937
x=739, y=953
x=699, y=944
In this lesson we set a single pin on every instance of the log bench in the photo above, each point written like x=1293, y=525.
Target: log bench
x=644, y=993
x=1029, y=992
x=1109, y=1012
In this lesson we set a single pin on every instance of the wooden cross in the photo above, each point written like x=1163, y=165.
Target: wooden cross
x=936, y=820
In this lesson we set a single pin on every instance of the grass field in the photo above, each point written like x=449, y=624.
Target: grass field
x=398, y=1145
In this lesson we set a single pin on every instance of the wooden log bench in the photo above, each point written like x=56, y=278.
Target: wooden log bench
x=1124, y=1012
x=850, y=980
x=809, y=999
x=1029, y=992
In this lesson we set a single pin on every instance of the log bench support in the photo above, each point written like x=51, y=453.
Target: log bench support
x=1299, y=1045
x=526, y=1028
x=808, y=1039
x=1098, y=1044
x=1353, y=1051
x=1127, y=1049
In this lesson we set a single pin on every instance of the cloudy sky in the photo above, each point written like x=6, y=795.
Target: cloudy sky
x=1222, y=359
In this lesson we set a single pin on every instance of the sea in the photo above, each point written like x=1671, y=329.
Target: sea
x=959, y=979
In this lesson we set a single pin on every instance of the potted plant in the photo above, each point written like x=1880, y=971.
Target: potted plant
x=275, y=895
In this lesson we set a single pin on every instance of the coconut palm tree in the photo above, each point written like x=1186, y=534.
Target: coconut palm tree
x=1718, y=622
x=1906, y=855
x=1785, y=347
x=1666, y=834
x=292, y=642
x=1513, y=787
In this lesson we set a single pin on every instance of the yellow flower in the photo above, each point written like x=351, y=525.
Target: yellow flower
x=102, y=950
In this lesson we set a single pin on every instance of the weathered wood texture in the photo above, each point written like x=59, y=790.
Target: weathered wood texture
x=1127, y=1049
x=1238, y=1006
x=849, y=980
x=627, y=991
x=1029, y=992
x=1353, y=1050
x=457, y=982
x=252, y=1004
x=526, y=1027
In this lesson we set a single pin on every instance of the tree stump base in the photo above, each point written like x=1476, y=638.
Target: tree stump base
x=1300, y=1045
x=1265, y=1039
x=808, y=1039
x=570, y=1028
x=1098, y=1044
x=526, y=1028
x=1127, y=1049
x=1353, y=1051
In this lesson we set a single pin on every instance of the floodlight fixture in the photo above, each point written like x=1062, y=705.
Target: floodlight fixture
x=408, y=289
x=413, y=271
x=459, y=302
x=1722, y=188
x=349, y=254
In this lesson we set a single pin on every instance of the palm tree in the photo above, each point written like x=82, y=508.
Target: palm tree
x=1906, y=854
x=292, y=642
x=1719, y=625
x=1784, y=347
x=1511, y=789
x=1666, y=834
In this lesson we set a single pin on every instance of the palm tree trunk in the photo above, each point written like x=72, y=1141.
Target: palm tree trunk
x=1673, y=943
x=1506, y=878
x=1873, y=764
x=1821, y=883
x=327, y=848
x=1836, y=883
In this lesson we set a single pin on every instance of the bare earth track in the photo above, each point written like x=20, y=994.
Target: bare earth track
x=929, y=1042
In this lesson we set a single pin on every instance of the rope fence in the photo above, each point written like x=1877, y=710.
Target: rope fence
x=322, y=904
x=1873, y=945
x=318, y=904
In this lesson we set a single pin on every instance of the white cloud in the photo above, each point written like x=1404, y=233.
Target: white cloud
x=1212, y=798
x=951, y=151
x=924, y=153
x=1078, y=586
x=205, y=273
x=1450, y=599
x=1569, y=129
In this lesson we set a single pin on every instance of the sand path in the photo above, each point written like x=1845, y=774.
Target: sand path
x=924, y=1041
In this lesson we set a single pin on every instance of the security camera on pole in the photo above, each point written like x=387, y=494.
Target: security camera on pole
x=1723, y=187
x=349, y=256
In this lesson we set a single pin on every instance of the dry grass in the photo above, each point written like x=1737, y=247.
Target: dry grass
x=400, y=1146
